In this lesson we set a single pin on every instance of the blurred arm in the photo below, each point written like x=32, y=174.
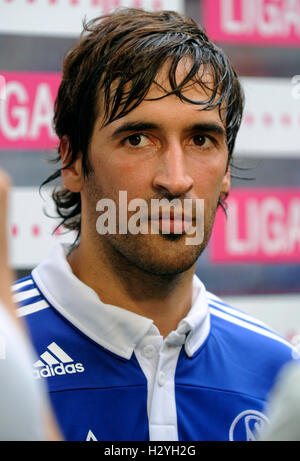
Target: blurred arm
x=6, y=277
x=6, y=301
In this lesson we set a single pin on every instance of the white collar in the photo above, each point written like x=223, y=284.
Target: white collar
x=112, y=327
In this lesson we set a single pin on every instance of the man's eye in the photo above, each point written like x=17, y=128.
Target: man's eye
x=200, y=139
x=136, y=139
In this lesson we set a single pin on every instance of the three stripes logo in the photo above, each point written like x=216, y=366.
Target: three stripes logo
x=55, y=361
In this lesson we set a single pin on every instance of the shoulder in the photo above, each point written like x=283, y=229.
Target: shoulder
x=251, y=334
x=27, y=297
x=246, y=346
x=45, y=326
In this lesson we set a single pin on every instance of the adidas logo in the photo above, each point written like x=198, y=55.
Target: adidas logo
x=55, y=362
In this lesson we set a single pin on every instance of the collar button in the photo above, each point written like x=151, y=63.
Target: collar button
x=161, y=378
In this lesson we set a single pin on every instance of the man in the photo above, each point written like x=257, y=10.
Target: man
x=130, y=343
x=24, y=407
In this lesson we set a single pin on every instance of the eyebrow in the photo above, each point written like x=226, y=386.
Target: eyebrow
x=134, y=126
x=207, y=127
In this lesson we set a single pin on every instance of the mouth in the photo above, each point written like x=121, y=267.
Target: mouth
x=171, y=222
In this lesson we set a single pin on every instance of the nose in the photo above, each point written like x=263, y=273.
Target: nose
x=172, y=175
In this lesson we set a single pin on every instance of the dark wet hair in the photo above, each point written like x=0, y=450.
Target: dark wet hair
x=117, y=59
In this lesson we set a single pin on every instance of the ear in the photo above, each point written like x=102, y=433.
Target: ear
x=226, y=183
x=72, y=176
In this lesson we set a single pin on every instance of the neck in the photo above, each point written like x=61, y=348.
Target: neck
x=164, y=298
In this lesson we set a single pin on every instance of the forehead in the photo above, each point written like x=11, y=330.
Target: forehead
x=203, y=82
x=198, y=93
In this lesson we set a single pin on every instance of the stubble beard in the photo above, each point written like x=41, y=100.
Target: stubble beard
x=164, y=259
x=154, y=254
x=159, y=254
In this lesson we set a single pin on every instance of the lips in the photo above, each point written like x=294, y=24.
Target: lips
x=169, y=221
x=171, y=215
x=172, y=226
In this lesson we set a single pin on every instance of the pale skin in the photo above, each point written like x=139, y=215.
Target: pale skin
x=163, y=148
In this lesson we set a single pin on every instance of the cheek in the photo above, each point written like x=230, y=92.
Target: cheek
x=208, y=180
x=115, y=175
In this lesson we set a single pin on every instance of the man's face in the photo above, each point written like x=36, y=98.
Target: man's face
x=164, y=148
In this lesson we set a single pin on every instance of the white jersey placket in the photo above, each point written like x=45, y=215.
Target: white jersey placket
x=158, y=359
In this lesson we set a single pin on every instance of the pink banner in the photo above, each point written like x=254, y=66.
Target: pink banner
x=263, y=226
x=26, y=110
x=266, y=22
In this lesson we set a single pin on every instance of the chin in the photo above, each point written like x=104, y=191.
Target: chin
x=166, y=270
x=163, y=255
x=167, y=261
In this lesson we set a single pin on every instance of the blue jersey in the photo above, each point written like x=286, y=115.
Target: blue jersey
x=112, y=377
